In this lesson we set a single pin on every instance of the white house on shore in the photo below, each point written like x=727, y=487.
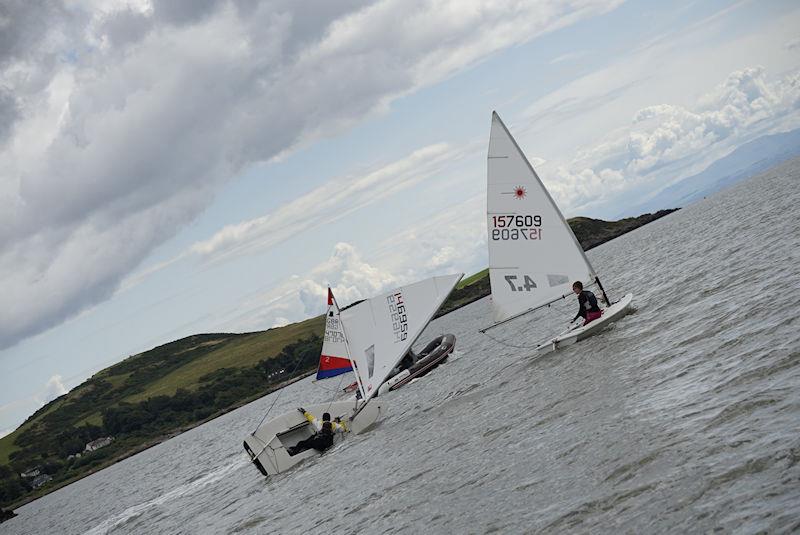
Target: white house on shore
x=99, y=443
x=31, y=473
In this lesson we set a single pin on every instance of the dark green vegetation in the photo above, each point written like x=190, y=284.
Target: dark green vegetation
x=171, y=388
x=593, y=232
x=150, y=397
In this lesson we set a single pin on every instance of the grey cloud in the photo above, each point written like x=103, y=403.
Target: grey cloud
x=148, y=132
x=9, y=112
x=126, y=27
x=24, y=24
x=184, y=11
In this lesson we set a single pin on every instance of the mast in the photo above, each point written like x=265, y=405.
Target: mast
x=347, y=345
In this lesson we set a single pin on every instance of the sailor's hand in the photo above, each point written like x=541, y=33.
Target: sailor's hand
x=301, y=409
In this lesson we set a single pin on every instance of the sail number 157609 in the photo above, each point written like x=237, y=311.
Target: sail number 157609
x=516, y=227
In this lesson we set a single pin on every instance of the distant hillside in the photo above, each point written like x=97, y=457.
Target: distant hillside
x=164, y=391
x=748, y=160
x=149, y=397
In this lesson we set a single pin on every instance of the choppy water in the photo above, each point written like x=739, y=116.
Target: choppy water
x=684, y=417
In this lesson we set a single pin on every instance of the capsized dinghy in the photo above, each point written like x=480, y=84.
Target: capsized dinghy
x=377, y=334
x=534, y=257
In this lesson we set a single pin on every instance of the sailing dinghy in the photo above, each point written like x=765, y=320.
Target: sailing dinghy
x=376, y=334
x=534, y=257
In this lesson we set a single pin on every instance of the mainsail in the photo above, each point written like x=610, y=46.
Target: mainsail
x=333, y=360
x=381, y=330
x=533, y=254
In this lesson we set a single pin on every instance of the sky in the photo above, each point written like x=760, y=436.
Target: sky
x=173, y=167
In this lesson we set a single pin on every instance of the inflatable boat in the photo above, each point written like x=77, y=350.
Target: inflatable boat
x=416, y=365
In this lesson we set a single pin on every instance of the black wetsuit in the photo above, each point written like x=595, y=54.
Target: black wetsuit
x=322, y=440
x=587, y=302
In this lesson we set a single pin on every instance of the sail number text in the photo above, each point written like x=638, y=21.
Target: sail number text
x=397, y=311
x=526, y=286
x=516, y=227
x=333, y=331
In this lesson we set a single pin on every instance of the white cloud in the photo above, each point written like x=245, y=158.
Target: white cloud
x=14, y=410
x=127, y=117
x=570, y=56
x=348, y=275
x=792, y=44
x=452, y=241
x=324, y=205
x=53, y=389
x=300, y=297
x=662, y=136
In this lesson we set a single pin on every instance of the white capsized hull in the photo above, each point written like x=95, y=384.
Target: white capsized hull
x=570, y=336
x=267, y=447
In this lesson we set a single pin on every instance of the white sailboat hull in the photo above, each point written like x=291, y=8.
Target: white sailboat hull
x=268, y=446
x=569, y=337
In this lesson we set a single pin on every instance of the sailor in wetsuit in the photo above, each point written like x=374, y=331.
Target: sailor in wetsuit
x=587, y=303
x=323, y=438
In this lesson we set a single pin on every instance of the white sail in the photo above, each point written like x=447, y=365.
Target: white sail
x=381, y=330
x=533, y=254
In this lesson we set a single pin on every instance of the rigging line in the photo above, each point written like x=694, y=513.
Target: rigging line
x=341, y=378
x=280, y=391
x=502, y=342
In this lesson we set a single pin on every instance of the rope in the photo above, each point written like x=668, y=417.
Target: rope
x=502, y=342
x=280, y=391
x=338, y=389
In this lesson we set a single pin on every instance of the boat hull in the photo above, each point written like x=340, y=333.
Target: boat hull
x=569, y=337
x=268, y=446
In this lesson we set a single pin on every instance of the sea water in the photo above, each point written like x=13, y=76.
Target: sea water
x=682, y=417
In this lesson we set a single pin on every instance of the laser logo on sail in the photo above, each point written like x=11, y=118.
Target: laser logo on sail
x=397, y=311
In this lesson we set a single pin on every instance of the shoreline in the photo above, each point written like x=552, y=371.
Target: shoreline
x=480, y=287
x=151, y=443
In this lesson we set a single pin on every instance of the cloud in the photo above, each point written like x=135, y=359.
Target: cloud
x=345, y=271
x=53, y=389
x=449, y=242
x=15, y=411
x=569, y=56
x=664, y=139
x=332, y=201
x=350, y=278
x=792, y=44
x=127, y=117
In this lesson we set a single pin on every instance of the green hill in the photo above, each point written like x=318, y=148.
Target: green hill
x=151, y=396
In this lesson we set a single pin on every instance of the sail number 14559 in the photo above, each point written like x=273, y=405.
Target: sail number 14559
x=516, y=227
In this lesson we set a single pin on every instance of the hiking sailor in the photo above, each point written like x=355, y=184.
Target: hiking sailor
x=588, y=309
x=323, y=438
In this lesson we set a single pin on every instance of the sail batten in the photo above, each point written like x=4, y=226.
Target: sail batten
x=533, y=254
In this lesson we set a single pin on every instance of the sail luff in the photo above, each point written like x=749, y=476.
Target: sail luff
x=592, y=272
x=533, y=254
